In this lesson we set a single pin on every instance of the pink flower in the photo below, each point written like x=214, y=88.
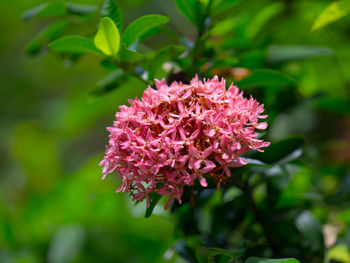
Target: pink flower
x=180, y=133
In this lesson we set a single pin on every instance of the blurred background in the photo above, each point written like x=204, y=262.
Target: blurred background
x=54, y=207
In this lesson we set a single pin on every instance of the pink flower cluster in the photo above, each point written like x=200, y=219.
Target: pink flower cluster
x=180, y=133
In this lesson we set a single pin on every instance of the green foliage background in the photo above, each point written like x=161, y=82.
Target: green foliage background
x=53, y=206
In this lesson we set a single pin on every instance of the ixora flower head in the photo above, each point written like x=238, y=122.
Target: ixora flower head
x=177, y=134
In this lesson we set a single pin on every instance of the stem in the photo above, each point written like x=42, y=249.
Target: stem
x=132, y=73
x=199, y=43
x=258, y=215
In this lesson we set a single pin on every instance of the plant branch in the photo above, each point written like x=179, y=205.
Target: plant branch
x=258, y=215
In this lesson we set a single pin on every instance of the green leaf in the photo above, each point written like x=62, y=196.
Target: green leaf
x=80, y=9
x=283, y=151
x=110, y=9
x=254, y=162
x=280, y=54
x=110, y=82
x=338, y=105
x=310, y=228
x=48, y=9
x=265, y=77
x=141, y=26
x=220, y=6
x=331, y=13
x=207, y=255
x=270, y=260
x=153, y=200
x=339, y=253
x=47, y=35
x=223, y=27
x=260, y=20
x=108, y=64
x=107, y=38
x=129, y=56
x=164, y=55
x=192, y=10
x=74, y=44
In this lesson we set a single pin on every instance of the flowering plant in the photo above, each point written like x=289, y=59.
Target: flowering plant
x=180, y=133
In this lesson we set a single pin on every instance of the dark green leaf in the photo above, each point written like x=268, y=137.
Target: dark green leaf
x=107, y=38
x=265, y=77
x=254, y=162
x=270, y=260
x=279, y=54
x=338, y=105
x=164, y=55
x=332, y=13
x=142, y=25
x=109, y=83
x=47, y=35
x=207, y=255
x=282, y=151
x=310, y=228
x=80, y=9
x=192, y=10
x=153, y=200
x=48, y=9
x=74, y=44
x=108, y=64
x=110, y=9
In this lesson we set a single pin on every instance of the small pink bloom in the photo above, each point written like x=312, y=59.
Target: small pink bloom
x=179, y=134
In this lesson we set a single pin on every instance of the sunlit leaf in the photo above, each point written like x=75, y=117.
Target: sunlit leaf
x=48, y=34
x=74, y=44
x=47, y=9
x=331, y=13
x=339, y=253
x=142, y=25
x=271, y=260
x=280, y=54
x=110, y=9
x=265, y=77
x=107, y=38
